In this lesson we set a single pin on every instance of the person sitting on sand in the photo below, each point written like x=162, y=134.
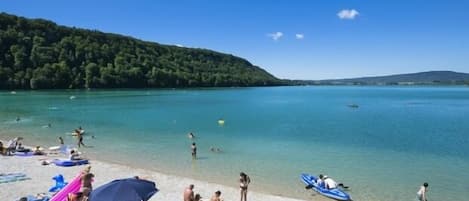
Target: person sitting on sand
x=20, y=148
x=37, y=151
x=189, y=193
x=197, y=197
x=74, y=155
x=216, y=196
x=12, y=144
x=75, y=197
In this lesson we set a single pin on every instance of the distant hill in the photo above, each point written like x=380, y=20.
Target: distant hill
x=422, y=78
x=39, y=54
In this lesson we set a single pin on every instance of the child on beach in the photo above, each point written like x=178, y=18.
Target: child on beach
x=194, y=151
x=216, y=196
x=197, y=197
x=37, y=151
x=422, y=193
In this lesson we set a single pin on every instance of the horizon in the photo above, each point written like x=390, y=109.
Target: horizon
x=353, y=39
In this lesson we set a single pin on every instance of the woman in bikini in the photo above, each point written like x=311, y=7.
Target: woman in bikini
x=244, y=181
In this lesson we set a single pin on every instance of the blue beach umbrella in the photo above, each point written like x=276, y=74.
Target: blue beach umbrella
x=124, y=190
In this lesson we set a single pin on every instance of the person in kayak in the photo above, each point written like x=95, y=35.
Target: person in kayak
x=329, y=183
x=422, y=193
x=320, y=181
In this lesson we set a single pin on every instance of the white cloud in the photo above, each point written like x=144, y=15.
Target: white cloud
x=179, y=45
x=275, y=36
x=299, y=36
x=348, y=14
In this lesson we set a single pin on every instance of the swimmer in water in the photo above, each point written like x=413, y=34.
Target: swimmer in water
x=191, y=135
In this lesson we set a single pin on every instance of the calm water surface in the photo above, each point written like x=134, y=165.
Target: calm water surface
x=398, y=138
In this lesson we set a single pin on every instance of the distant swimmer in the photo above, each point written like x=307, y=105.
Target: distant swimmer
x=191, y=135
x=215, y=149
x=353, y=106
x=18, y=119
x=47, y=126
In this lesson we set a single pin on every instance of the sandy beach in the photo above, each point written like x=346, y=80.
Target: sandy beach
x=170, y=186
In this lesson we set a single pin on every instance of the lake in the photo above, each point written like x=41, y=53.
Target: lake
x=383, y=142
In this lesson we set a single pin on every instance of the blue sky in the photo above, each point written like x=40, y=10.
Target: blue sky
x=370, y=38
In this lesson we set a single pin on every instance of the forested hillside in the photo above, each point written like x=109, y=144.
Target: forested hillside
x=39, y=54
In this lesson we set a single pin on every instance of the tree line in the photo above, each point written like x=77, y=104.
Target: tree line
x=39, y=54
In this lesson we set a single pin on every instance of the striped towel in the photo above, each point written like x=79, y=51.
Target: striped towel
x=12, y=177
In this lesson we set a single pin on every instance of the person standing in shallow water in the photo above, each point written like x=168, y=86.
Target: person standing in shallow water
x=194, y=151
x=61, y=141
x=422, y=193
x=80, y=139
x=244, y=181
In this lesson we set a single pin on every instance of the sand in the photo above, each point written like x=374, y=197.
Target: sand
x=171, y=187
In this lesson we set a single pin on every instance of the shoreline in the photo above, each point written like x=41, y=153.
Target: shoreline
x=171, y=186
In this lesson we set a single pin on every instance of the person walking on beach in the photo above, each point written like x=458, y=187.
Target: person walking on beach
x=189, y=193
x=194, y=151
x=244, y=181
x=216, y=196
x=422, y=193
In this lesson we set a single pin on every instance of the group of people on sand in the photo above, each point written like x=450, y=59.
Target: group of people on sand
x=189, y=195
x=15, y=147
x=244, y=181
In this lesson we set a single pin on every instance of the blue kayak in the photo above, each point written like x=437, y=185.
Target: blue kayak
x=69, y=163
x=335, y=193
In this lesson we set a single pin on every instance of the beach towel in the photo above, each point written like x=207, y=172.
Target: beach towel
x=12, y=177
x=37, y=198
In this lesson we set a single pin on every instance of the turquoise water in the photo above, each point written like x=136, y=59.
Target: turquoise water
x=397, y=139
